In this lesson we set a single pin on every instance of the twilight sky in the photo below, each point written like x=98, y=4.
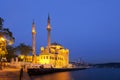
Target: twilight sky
x=89, y=28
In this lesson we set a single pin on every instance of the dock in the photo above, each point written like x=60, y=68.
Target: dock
x=39, y=71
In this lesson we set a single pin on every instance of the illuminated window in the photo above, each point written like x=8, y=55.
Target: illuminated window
x=46, y=57
x=50, y=57
x=55, y=58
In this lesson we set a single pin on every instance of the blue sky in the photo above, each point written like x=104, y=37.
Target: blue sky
x=89, y=28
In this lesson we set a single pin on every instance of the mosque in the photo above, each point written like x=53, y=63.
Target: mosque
x=53, y=54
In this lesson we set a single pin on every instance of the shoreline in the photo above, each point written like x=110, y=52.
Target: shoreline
x=39, y=71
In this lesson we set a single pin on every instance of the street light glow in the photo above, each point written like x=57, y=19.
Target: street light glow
x=2, y=39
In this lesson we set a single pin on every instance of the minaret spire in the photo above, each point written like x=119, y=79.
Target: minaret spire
x=49, y=30
x=33, y=28
x=48, y=19
x=33, y=22
x=33, y=42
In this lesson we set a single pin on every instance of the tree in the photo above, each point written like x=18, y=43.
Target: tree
x=1, y=23
x=6, y=38
x=11, y=53
x=23, y=49
x=6, y=33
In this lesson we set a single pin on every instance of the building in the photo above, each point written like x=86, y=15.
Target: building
x=56, y=55
x=53, y=54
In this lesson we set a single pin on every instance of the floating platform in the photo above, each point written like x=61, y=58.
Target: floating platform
x=42, y=71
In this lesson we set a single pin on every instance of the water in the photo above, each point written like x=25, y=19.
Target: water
x=87, y=74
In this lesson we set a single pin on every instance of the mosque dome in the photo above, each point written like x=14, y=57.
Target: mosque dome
x=56, y=45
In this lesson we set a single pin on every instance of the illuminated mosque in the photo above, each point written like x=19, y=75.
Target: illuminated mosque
x=53, y=54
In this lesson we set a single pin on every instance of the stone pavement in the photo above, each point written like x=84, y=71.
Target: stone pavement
x=25, y=76
x=9, y=74
x=13, y=74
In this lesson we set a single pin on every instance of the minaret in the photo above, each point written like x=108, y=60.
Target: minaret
x=49, y=30
x=33, y=42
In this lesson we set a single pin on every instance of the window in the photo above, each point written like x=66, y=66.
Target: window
x=50, y=57
x=55, y=58
x=46, y=57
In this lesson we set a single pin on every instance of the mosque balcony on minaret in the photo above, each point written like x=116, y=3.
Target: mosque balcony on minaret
x=33, y=28
x=33, y=31
x=48, y=27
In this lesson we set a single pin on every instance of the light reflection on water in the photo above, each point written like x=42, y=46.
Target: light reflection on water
x=87, y=74
x=54, y=76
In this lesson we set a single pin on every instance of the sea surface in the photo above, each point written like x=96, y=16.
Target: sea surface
x=86, y=74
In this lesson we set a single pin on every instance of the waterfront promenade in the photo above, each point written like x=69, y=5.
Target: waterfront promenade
x=13, y=74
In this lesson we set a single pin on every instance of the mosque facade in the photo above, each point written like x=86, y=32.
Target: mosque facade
x=53, y=54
